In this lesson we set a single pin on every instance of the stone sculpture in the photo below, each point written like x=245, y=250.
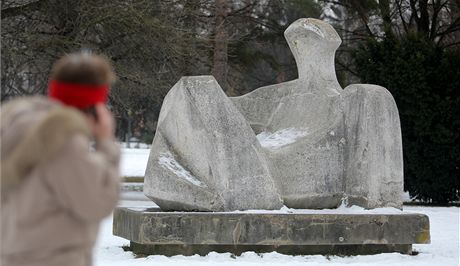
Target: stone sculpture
x=205, y=155
x=306, y=143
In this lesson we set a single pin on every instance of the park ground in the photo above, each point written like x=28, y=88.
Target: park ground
x=444, y=249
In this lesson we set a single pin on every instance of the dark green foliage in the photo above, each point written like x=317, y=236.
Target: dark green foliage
x=425, y=82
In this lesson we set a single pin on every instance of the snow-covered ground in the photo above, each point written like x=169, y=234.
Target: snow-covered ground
x=134, y=161
x=444, y=249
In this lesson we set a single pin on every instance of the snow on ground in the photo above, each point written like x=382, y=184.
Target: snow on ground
x=135, y=145
x=280, y=138
x=443, y=251
x=134, y=161
x=342, y=209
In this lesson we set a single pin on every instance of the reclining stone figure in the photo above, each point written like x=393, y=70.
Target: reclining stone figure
x=305, y=143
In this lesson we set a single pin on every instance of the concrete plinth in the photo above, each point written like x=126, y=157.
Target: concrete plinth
x=170, y=233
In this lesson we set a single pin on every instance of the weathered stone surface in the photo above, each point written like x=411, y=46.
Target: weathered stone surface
x=309, y=170
x=373, y=167
x=197, y=232
x=348, y=142
x=316, y=143
x=205, y=155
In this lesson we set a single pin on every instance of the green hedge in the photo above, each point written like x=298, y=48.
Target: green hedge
x=425, y=82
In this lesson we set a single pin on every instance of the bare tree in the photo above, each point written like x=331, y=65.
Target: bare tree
x=142, y=38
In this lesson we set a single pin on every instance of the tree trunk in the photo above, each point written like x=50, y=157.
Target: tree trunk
x=384, y=6
x=424, y=22
x=220, y=51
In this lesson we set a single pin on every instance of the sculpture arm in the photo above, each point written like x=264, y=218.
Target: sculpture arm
x=258, y=106
x=373, y=159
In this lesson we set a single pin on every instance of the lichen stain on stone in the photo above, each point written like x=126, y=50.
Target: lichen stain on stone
x=141, y=237
x=215, y=221
x=423, y=237
x=237, y=233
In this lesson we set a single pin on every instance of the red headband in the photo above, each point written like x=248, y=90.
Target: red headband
x=78, y=95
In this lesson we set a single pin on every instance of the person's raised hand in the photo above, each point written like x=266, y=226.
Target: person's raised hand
x=104, y=127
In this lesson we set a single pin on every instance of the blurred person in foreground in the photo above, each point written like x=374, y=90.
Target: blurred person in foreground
x=55, y=189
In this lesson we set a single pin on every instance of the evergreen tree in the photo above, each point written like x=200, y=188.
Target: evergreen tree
x=424, y=80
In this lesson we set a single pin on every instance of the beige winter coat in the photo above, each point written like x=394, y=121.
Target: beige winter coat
x=55, y=190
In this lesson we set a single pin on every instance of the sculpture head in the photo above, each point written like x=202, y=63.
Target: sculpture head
x=312, y=32
x=313, y=43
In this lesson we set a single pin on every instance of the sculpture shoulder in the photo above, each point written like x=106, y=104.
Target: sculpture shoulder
x=367, y=90
x=369, y=99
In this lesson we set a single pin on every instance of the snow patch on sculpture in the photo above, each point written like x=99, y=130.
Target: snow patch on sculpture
x=281, y=137
x=167, y=161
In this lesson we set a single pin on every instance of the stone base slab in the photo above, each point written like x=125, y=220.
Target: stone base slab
x=152, y=231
